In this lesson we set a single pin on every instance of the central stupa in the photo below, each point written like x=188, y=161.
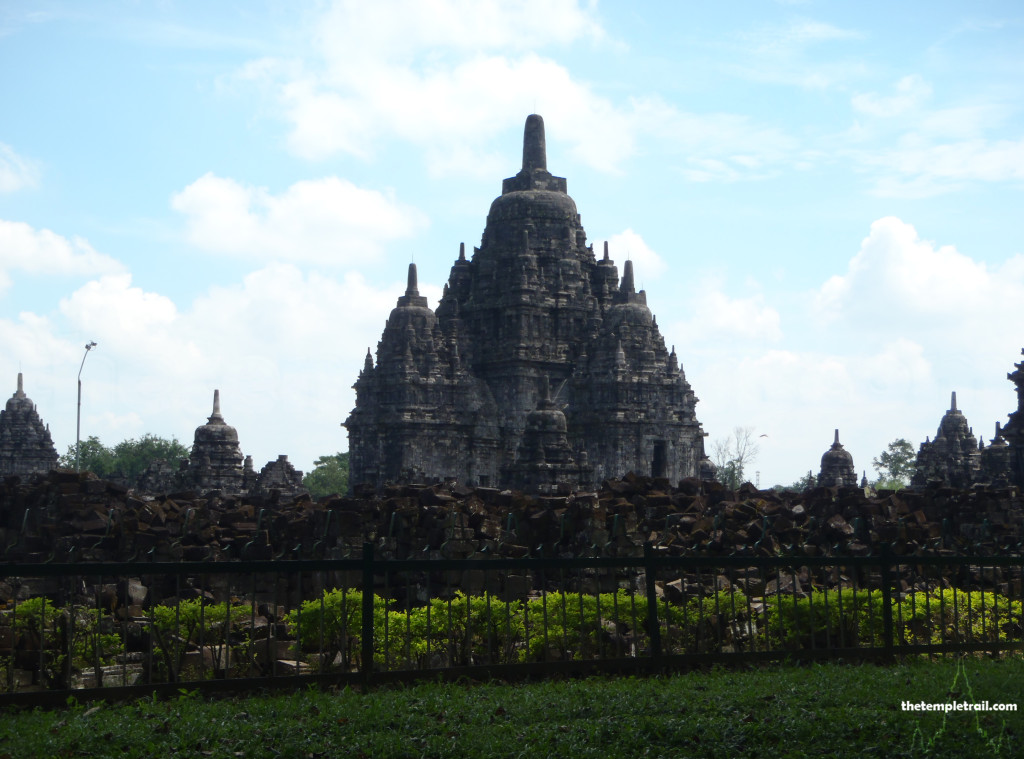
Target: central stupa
x=539, y=369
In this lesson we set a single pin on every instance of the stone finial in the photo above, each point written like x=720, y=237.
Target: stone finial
x=606, y=251
x=952, y=401
x=620, y=356
x=627, y=278
x=545, y=388
x=412, y=288
x=368, y=361
x=21, y=387
x=534, y=147
x=215, y=417
x=836, y=441
x=462, y=251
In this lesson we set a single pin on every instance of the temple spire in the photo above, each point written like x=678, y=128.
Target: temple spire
x=627, y=278
x=462, y=251
x=412, y=288
x=534, y=148
x=21, y=387
x=215, y=417
x=836, y=441
x=606, y=250
x=952, y=402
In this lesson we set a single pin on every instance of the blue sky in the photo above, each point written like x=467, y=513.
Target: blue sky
x=822, y=201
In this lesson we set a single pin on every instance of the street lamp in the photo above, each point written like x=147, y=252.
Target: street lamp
x=78, y=424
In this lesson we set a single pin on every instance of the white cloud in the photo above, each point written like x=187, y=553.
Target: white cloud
x=777, y=54
x=911, y=92
x=647, y=264
x=16, y=172
x=719, y=319
x=962, y=312
x=327, y=221
x=447, y=76
x=917, y=169
x=351, y=30
x=33, y=251
x=896, y=274
x=283, y=346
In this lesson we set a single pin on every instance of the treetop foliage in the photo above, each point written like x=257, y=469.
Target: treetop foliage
x=329, y=476
x=127, y=460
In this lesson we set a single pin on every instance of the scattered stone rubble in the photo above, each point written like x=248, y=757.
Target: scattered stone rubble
x=67, y=516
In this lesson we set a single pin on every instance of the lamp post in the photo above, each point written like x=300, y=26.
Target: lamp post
x=78, y=424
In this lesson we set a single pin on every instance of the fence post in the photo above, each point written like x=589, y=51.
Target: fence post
x=366, y=663
x=887, y=582
x=653, y=625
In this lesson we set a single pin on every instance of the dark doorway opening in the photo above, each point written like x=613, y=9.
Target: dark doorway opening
x=658, y=464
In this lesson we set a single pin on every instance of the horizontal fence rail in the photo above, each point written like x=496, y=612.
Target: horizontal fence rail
x=120, y=630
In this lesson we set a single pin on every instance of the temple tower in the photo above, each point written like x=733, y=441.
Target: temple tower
x=25, y=443
x=837, y=468
x=953, y=457
x=457, y=393
x=215, y=462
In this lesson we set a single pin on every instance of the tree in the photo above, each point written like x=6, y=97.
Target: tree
x=329, y=476
x=95, y=457
x=133, y=457
x=806, y=482
x=127, y=460
x=734, y=455
x=895, y=465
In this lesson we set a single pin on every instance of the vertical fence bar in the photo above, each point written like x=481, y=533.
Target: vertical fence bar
x=653, y=626
x=366, y=665
x=887, y=589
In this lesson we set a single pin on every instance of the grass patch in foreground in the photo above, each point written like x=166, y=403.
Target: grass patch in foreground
x=821, y=710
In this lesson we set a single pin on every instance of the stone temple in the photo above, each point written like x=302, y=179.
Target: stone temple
x=540, y=369
x=955, y=458
x=216, y=463
x=25, y=443
x=837, y=468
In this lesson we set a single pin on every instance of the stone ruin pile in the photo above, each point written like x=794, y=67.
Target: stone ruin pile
x=66, y=516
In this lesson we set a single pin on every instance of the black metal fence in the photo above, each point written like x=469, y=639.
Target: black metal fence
x=117, y=630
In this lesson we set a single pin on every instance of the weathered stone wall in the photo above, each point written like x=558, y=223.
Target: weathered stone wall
x=65, y=516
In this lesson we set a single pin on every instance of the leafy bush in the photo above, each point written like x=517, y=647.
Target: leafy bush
x=222, y=629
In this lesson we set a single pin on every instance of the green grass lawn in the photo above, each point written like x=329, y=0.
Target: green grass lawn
x=780, y=711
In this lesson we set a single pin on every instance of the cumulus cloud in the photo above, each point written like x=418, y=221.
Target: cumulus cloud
x=963, y=312
x=897, y=275
x=717, y=319
x=41, y=251
x=284, y=347
x=798, y=397
x=629, y=245
x=447, y=76
x=327, y=221
x=16, y=172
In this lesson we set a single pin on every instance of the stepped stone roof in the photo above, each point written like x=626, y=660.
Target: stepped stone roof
x=458, y=392
x=25, y=443
x=837, y=468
